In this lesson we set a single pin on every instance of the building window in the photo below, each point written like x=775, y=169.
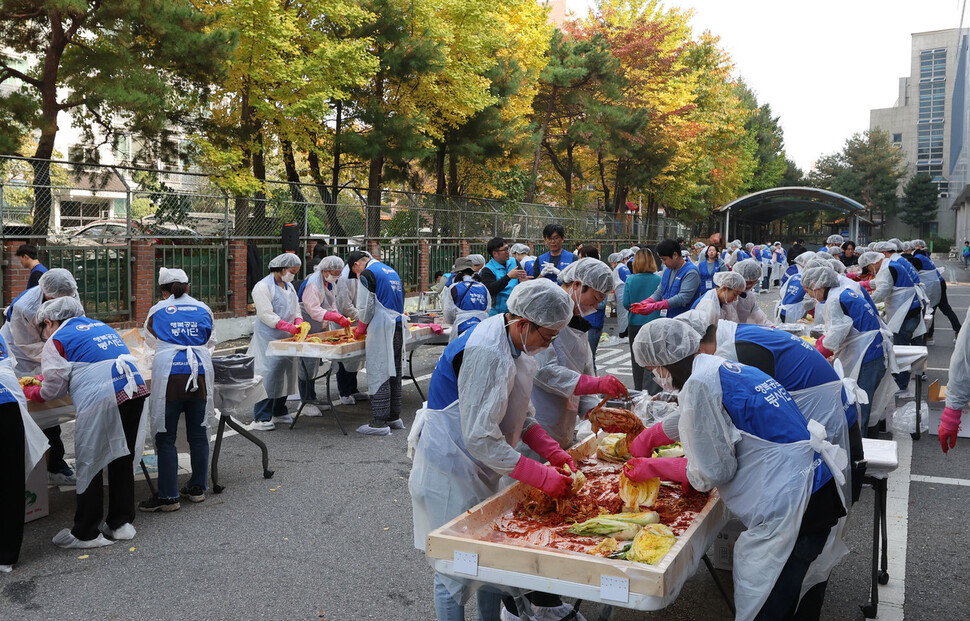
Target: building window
x=932, y=65
x=897, y=140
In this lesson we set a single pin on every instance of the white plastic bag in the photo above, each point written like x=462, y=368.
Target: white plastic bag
x=904, y=420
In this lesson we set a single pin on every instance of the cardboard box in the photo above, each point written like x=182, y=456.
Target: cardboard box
x=38, y=501
x=723, y=556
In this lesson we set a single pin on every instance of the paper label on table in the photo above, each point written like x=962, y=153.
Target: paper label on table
x=465, y=563
x=615, y=589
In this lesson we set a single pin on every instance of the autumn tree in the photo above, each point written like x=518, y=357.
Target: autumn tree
x=919, y=201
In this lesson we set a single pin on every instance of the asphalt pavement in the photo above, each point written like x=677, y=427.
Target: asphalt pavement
x=329, y=535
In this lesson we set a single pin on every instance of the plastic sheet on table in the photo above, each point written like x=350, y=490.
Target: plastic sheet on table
x=653, y=408
x=238, y=399
x=904, y=420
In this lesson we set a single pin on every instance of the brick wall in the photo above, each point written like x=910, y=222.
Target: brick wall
x=465, y=248
x=237, y=278
x=144, y=279
x=424, y=268
x=14, y=276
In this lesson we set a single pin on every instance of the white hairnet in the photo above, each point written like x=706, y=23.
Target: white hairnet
x=824, y=256
x=59, y=309
x=542, y=302
x=616, y=257
x=919, y=243
x=833, y=250
x=731, y=280
x=820, y=278
x=777, y=243
x=870, y=258
x=627, y=254
x=167, y=276
x=816, y=262
x=477, y=259
x=907, y=246
x=699, y=245
x=898, y=243
x=287, y=259
x=589, y=271
x=519, y=249
x=58, y=283
x=838, y=266
x=665, y=341
x=835, y=239
x=330, y=263
x=749, y=246
x=885, y=247
x=736, y=243
x=699, y=320
x=749, y=269
x=802, y=259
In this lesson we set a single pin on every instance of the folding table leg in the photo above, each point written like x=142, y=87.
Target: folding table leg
x=148, y=479
x=919, y=396
x=241, y=430
x=214, y=468
x=871, y=608
x=884, y=564
x=411, y=372
x=720, y=587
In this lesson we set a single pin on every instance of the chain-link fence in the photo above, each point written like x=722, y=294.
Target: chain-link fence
x=92, y=212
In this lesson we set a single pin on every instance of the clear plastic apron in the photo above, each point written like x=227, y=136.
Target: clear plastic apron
x=35, y=442
x=558, y=414
x=279, y=372
x=379, y=346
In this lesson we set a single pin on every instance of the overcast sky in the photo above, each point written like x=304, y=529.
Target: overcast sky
x=822, y=65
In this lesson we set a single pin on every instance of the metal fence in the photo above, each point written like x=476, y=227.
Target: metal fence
x=94, y=211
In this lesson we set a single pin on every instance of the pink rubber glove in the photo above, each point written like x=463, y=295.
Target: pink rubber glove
x=866, y=284
x=360, y=330
x=33, y=393
x=543, y=477
x=661, y=305
x=436, y=329
x=539, y=441
x=40, y=378
x=821, y=348
x=649, y=439
x=852, y=276
x=949, y=426
x=606, y=385
x=286, y=326
x=667, y=468
x=637, y=307
x=336, y=318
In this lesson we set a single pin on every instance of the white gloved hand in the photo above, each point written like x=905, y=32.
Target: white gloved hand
x=549, y=268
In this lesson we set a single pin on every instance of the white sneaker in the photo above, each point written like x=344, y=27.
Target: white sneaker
x=262, y=425
x=396, y=424
x=311, y=410
x=349, y=400
x=293, y=397
x=286, y=419
x=59, y=478
x=122, y=533
x=931, y=342
x=905, y=394
x=65, y=539
x=6, y=569
x=374, y=431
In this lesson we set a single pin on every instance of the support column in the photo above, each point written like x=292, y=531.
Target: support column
x=236, y=279
x=424, y=267
x=142, y=278
x=14, y=276
x=465, y=248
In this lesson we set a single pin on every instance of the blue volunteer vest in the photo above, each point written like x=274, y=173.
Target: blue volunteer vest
x=794, y=292
x=742, y=255
x=798, y=365
x=89, y=340
x=500, y=301
x=443, y=390
x=449, y=279
x=5, y=395
x=865, y=318
x=906, y=276
x=669, y=287
x=40, y=268
x=528, y=265
x=623, y=272
x=183, y=324
x=760, y=405
x=707, y=271
x=390, y=290
x=9, y=312
x=565, y=258
x=469, y=296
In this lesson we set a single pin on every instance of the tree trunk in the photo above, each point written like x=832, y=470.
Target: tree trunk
x=568, y=177
x=606, y=187
x=530, y=195
x=374, y=194
x=242, y=205
x=293, y=180
x=453, y=189
x=259, y=171
x=334, y=228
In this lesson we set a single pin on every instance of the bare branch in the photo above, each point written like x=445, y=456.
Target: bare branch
x=6, y=71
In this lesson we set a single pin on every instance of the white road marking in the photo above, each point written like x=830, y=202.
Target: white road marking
x=893, y=595
x=919, y=478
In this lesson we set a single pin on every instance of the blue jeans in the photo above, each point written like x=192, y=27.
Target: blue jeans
x=266, y=409
x=905, y=337
x=782, y=601
x=307, y=386
x=448, y=608
x=346, y=381
x=966, y=261
x=870, y=374
x=195, y=433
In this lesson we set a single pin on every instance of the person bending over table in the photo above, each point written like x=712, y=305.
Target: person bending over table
x=318, y=303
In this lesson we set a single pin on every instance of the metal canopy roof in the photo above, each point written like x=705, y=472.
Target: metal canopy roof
x=776, y=203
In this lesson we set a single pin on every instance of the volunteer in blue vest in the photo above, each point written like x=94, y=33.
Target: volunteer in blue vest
x=708, y=265
x=743, y=434
x=22, y=447
x=927, y=273
x=277, y=317
x=733, y=249
x=346, y=293
x=25, y=344
x=779, y=263
x=27, y=253
x=699, y=248
x=620, y=275
x=722, y=302
x=478, y=410
x=565, y=381
x=85, y=358
x=597, y=316
x=793, y=306
x=957, y=391
x=893, y=284
x=380, y=298
x=318, y=305
x=549, y=263
x=467, y=302
x=478, y=262
x=748, y=309
x=500, y=274
x=180, y=331
x=522, y=255
x=679, y=284
x=856, y=337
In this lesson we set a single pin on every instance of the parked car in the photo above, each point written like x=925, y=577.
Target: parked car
x=114, y=233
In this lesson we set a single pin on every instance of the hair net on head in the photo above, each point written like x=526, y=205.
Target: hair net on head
x=833, y=250
x=626, y=255
x=898, y=243
x=820, y=278
x=699, y=245
x=816, y=262
x=477, y=259
x=919, y=243
x=59, y=309
x=736, y=243
x=287, y=259
x=542, y=302
x=885, y=247
x=870, y=258
x=838, y=266
x=907, y=246
x=748, y=246
x=589, y=271
x=58, y=283
x=330, y=263
x=802, y=259
x=731, y=280
x=835, y=239
x=519, y=249
x=167, y=276
x=616, y=257
x=698, y=319
x=749, y=269
x=665, y=341
x=826, y=257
